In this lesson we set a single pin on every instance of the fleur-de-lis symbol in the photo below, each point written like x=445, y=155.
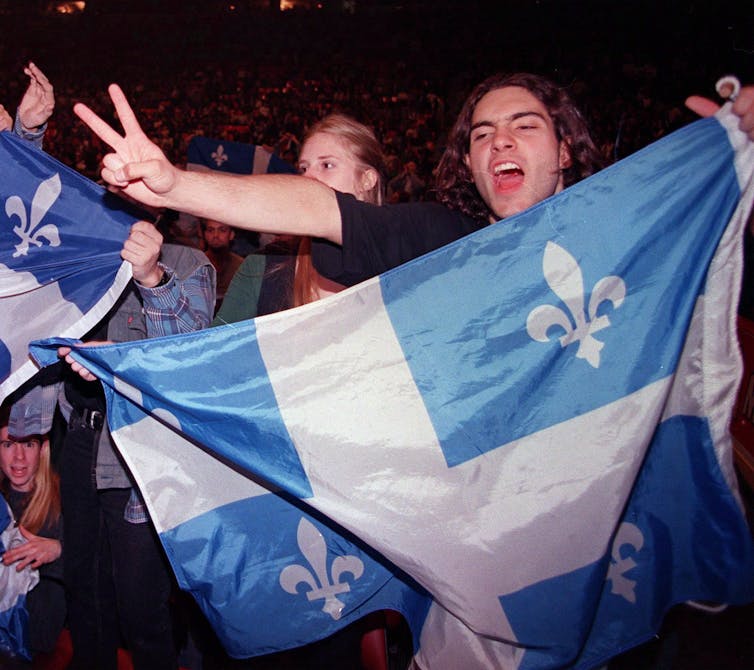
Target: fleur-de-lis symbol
x=628, y=535
x=47, y=193
x=564, y=277
x=313, y=546
x=219, y=155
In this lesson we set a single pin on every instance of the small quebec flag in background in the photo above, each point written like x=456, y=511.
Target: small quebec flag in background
x=206, y=153
x=60, y=265
x=519, y=441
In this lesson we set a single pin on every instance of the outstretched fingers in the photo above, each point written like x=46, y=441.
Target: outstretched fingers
x=136, y=165
x=100, y=128
x=104, y=130
x=31, y=70
x=743, y=107
x=124, y=111
x=701, y=106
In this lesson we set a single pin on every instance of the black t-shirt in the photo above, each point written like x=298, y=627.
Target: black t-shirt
x=379, y=238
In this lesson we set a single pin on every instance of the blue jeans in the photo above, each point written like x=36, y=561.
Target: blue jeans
x=117, y=581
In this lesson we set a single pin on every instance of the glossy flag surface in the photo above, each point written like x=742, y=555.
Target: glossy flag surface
x=519, y=440
x=60, y=242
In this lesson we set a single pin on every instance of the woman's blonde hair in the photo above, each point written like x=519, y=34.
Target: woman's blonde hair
x=44, y=504
x=367, y=153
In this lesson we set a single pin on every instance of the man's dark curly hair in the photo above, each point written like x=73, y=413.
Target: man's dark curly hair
x=454, y=183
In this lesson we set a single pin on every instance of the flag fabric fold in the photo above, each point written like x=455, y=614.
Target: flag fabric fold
x=60, y=265
x=519, y=440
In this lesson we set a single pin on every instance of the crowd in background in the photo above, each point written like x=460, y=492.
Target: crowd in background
x=266, y=78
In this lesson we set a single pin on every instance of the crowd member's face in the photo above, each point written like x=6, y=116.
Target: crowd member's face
x=19, y=461
x=514, y=155
x=327, y=158
x=217, y=235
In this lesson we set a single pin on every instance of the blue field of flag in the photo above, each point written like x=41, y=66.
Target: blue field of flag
x=60, y=243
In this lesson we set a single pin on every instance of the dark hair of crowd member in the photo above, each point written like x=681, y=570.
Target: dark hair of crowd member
x=454, y=183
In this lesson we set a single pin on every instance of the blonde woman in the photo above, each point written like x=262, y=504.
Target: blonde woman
x=346, y=156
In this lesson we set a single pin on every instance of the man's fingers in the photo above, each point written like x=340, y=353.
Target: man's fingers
x=702, y=106
x=109, y=177
x=20, y=555
x=125, y=113
x=33, y=71
x=100, y=128
x=148, y=230
x=65, y=353
x=140, y=249
x=111, y=164
x=120, y=173
x=145, y=170
x=37, y=77
x=79, y=369
x=24, y=562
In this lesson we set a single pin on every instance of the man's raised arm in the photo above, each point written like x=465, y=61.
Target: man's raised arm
x=263, y=203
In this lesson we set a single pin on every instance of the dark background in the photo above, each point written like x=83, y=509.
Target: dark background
x=629, y=63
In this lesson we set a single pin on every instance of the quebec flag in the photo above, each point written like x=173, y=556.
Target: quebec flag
x=206, y=153
x=520, y=440
x=60, y=265
x=14, y=585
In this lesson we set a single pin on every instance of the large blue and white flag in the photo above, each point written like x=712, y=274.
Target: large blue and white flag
x=530, y=423
x=14, y=585
x=207, y=153
x=60, y=265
